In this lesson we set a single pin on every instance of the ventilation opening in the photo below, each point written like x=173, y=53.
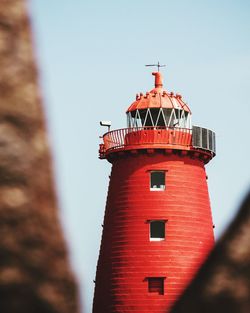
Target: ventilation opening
x=156, y=285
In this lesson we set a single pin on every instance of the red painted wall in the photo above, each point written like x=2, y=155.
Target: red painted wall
x=127, y=256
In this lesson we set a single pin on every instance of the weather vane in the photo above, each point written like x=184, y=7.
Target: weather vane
x=158, y=65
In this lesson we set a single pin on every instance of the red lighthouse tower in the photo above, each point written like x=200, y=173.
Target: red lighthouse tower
x=158, y=226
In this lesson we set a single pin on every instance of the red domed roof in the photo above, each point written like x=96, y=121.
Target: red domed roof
x=158, y=98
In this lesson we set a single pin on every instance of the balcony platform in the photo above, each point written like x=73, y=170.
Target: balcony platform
x=197, y=139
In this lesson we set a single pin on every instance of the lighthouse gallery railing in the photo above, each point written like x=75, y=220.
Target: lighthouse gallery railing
x=197, y=137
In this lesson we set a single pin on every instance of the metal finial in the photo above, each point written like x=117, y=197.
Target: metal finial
x=158, y=65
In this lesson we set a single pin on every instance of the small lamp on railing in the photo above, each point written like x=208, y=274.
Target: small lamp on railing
x=106, y=123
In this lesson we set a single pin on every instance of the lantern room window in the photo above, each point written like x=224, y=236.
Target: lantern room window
x=157, y=180
x=159, y=117
x=156, y=285
x=157, y=230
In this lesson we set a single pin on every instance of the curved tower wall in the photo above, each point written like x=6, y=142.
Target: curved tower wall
x=128, y=259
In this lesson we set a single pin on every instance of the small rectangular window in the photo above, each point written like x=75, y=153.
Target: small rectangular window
x=156, y=285
x=157, y=180
x=157, y=230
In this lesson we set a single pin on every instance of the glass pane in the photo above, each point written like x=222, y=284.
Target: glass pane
x=157, y=229
x=154, y=114
x=142, y=115
x=157, y=180
x=176, y=118
x=161, y=121
x=149, y=120
x=167, y=114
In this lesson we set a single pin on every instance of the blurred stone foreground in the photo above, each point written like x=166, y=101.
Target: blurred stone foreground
x=34, y=269
x=223, y=282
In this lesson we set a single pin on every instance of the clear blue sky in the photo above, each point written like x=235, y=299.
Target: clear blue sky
x=91, y=56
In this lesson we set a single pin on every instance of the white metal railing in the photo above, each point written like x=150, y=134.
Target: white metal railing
x=121, y=138
x=203, y=138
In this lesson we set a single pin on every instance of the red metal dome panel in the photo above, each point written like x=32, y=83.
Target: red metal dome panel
x=158, y=98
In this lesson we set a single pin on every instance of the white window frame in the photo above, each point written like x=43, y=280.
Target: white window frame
x=163, y=188
x=157, y=238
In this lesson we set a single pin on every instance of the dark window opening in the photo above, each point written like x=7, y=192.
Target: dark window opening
x=149, y=121
x=156, y=285
x=161, y=121
x=157, y=230
x=154, y=114
x=157, y=180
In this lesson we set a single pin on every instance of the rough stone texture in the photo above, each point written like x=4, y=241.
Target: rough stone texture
x=34, y=269
x=223, y=283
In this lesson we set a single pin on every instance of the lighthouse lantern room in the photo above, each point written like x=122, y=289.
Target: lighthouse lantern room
x=158, y=226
